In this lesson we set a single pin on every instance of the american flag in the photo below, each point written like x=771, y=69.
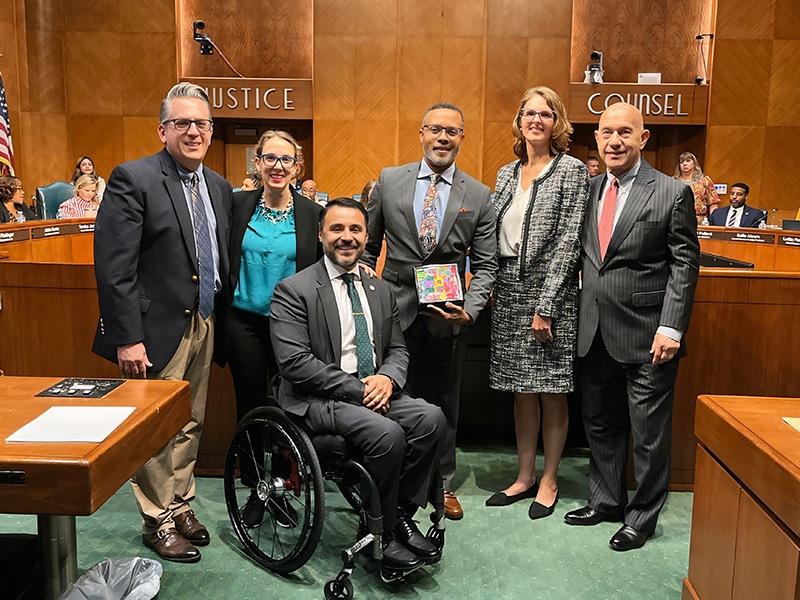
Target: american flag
x=6, y=147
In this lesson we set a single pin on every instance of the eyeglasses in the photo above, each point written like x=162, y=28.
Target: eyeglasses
x=452, y=132
x=203, y=125
x=270, y=160
x=546, y=116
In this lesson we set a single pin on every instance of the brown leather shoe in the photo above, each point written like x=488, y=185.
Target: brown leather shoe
x=170, y=545
x=192, y=529
x=452, y=507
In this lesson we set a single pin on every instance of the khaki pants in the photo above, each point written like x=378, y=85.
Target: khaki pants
x=165, y=485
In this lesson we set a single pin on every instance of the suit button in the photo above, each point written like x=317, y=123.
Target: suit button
x=601, y=274
x=194, y=277
x=596, y=301
x=187, y=312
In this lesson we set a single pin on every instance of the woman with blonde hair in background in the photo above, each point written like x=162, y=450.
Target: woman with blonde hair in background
x=706, y=199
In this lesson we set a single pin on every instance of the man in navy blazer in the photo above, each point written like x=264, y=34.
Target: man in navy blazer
x=738, y=214
x=161, y=262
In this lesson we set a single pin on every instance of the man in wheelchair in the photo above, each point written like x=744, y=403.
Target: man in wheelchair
x=343, y=363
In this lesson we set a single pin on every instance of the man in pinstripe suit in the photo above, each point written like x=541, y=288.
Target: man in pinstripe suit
x=639, y=263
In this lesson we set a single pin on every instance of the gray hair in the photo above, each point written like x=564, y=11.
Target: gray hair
x=446, y=105
x=182, y=90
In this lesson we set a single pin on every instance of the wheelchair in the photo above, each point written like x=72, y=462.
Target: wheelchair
x=275, y=496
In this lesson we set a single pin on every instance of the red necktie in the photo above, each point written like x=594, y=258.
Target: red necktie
x=606, y=225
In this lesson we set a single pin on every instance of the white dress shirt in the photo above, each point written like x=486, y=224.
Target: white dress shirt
x=737, y=220
x=349, y=362
x=510, y=238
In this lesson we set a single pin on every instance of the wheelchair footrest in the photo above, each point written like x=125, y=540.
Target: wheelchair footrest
x=436, y=536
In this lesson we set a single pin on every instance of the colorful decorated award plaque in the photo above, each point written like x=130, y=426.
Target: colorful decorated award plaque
x=437, y=284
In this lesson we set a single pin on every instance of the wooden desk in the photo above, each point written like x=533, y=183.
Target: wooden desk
x=746, y=515
x=767, y=249
x=51, y=241
x=59, y=481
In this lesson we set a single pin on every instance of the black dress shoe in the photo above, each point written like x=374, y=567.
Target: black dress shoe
x=503, y=499
x=397, y=557
x=253, y=511
x=539, y=511
x=589, y=516
x=407, y=533
x=628, y=538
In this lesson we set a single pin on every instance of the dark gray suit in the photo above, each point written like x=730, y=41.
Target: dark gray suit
x=646, y=280
x=437, y=349
x=401, y=449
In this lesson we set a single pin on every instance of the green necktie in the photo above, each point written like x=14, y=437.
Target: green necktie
x=366, y=366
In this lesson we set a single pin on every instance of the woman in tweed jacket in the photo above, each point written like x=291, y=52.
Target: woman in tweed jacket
x=540, y=201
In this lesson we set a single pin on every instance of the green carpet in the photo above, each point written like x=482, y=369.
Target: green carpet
x=493, y=553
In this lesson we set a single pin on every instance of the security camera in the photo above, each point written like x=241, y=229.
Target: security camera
x=596, y=55
x=594, y=71
x=206, y=47
x=199, y=25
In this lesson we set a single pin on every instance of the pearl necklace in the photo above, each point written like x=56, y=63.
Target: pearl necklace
x=276, y=216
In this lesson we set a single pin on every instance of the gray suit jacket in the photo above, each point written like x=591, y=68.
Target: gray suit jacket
x=307, y=339
x=650, y=270
x=468, y=223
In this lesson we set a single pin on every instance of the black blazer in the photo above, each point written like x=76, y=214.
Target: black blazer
x=145, y=260
x=5, y=216
x=306, y=219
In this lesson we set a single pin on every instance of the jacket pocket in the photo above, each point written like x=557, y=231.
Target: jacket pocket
x=467, y=214
x=390, y=275
x=144, y=304
x=648, y=298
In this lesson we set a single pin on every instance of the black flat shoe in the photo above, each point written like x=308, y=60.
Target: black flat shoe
x=628, y=538
x=589, y=516
x=539, y=511
x=502, y=499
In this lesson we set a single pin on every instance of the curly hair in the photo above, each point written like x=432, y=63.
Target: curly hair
x=562, y=129
x=8, y=187
x=277, y=133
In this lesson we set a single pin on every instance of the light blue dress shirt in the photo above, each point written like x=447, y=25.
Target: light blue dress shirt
x=186, y=180
x=442, y=188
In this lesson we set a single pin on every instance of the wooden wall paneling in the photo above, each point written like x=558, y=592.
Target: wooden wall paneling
x=740, y=84
x=140, y=136
x=787, y=20
x=506, y=77
x=334, y=146
x=778, y=290
x=550, y=19
x=334, y=81
x=220, y=422
x=94, y=73
x=373, y=147
x=82, y=250
x=91, y=15
x=784, y=93
x=148, y=71
x=420, y=77
x=548, y=64
x=732, y=154
x=758, y=24
x=787, y=258
x=260, y=39
x=98, y=136
x=54, y=249
x=673, y=141
x=149, y=16
x=767, y=556
x=781, y=170
x=215, y=157
x=715, y=512
x=776, y=355
x=45, y=70
x=374, y=80
x=498, y=144
x=339, y=17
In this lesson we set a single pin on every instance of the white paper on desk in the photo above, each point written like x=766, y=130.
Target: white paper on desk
x=793, y=421
x=73, y=424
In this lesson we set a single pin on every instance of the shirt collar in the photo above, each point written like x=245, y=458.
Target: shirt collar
x=447, y=175
x=335, y=270
x=185, y=174
x=628, y=175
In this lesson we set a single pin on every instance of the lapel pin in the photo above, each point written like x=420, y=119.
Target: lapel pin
x=372, y=288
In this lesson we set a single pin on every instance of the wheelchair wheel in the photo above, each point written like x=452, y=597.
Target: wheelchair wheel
x=274, y=490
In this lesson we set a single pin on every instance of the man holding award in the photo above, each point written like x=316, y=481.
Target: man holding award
x=431, y=213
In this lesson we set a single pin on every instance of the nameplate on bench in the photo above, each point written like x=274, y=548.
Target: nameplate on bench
x=750, y=237
x=38, y=233
x=14, y=236
x=789, y=240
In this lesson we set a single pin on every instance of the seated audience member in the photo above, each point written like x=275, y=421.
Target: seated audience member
x=309, y=189
x=593, y=164
x=85, y=166
x=706, y=199
x=12, y=201
x=251, y=182
x=367, y=191
x=738, y=214
x=356, y=389
x=85, y=203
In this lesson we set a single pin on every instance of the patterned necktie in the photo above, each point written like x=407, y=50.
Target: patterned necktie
x=606, y=225
x=205, y=257
x=732, y=218
x=366, y=366
x=429, y=223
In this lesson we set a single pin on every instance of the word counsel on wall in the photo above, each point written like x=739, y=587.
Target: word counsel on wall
x=257, y=98
x=673, y=103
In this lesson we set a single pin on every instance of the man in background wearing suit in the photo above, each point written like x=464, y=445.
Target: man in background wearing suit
x=337, y=339
x=639, y=264
x=738, y=214
x=458, y=215
x=161, y=263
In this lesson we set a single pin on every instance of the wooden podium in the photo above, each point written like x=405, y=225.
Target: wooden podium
x=746, y=515
x=58, y=481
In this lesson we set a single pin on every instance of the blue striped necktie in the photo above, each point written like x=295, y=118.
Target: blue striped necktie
x=366, y=365
x=205, y=257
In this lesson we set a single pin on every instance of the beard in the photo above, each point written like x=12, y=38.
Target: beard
x=441, y=161
x=345, y=263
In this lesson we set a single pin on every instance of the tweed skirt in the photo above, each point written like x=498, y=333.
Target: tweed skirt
x=518, y=362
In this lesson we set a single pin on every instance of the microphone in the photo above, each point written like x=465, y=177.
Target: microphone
x=763, y=217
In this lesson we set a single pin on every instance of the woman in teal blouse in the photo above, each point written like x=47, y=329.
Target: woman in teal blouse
x=273, y=235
